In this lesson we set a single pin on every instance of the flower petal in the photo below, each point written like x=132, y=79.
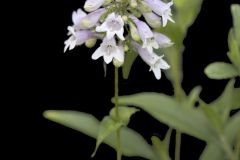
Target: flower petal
x=157, y=72
x=92, y=5
x=97, y=54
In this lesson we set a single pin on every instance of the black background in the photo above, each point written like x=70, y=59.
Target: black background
x=45, y=78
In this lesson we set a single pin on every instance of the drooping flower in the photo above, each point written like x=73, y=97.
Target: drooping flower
x=162, y=40
x=77, y=38
x=92, y=5
x=77, y=16
x=112, y=25
x=162, y=9
x=152, y=19
x=155, y=62
x=91, y=19
x=109, y=50
x=146, y=35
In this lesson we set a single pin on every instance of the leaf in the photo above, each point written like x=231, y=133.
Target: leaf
x=212, y=152
x=213, y=116
x=232, y=129
x=234, y=53
x=192, y=97
x=162, y=147
x=220, y=70
x=130, y=57
x=167, y=110
x=89, y=125
x=228, y=100
x=125, y=114
x=107, y=127
x=236, y=21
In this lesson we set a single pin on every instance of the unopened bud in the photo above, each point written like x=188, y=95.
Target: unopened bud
x=133, y=3
x=90, y=42
x=126, y=48
x=117, y=63
x=134, y=32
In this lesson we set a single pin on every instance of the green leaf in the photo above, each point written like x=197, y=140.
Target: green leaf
x=167, y=110
x=232, y=129
x=124, y=114
x=236, y=21
x=130, y=57
x=212, y=152
x=89, y=125
x=162, y=147
x=234, y=53
x=213, y=116
x=192, y=97
x=228, y=101
x=107, y=127
x=220, y=70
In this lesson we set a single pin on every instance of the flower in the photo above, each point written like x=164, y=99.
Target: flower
x=155, y=62
x=109, y=50
x=162, y=40
x=112, y=25
x=77, y=16
x=146, y=35
x=91, y=19
x=92, y=5
x=162, y=9
x=152, y=19
x=77, y=38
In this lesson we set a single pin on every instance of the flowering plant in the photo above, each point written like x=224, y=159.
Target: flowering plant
x=128, y=28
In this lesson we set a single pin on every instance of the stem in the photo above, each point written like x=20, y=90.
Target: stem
x=178, y=145
x=119, y=153
x=227, y=148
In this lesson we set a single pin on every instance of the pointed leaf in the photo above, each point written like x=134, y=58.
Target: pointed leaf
x=130, y=57
x=228, y=101
x=167, y=110
x=107, y=127
x=234, y=49
x=89, y=125
x=232, y=129
x=220, y=70
x=162, y=147
x=124, y=113
x=235, y=8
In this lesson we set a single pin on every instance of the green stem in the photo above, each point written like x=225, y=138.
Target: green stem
x=119, y=153
x=178, y=145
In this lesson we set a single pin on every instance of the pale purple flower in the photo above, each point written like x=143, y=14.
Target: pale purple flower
x=77, y=16
x=155, y=62
x=91, y=19
x=92, y=5
x=77, y=38
x=146, y=35
x=112, y=25
x=162, y=40
x=162, y=9
x=109, y=50
x=152, y=19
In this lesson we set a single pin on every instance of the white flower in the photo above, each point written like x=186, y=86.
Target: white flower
x=112, y=25
x=77, y=38
x=109, y=50
x=162, y=9
x=146, y=35
x=92, y=5
x=77, y=16
x=162, y=40
x=152, y=19
x=155, y=62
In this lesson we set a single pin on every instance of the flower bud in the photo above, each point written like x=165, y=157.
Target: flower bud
x=92, y=5
x=91, y=42
x=133, y=3
x=106, y=2
x=117, y=63
x=134, y=32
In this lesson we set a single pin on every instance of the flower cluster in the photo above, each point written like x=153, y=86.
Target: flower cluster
x=117, y=24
